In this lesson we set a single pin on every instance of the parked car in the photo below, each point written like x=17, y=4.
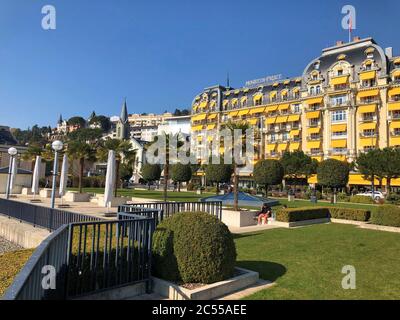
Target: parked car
x=377, y=195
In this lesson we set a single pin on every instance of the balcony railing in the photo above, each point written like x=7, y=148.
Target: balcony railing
x=368, y=119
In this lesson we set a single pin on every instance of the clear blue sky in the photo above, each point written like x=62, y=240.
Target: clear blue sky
x=160, y=54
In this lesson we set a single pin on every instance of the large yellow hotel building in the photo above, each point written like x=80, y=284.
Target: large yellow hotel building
x=346, y=102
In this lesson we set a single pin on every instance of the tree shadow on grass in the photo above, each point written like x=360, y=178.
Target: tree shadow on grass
x=270, y=271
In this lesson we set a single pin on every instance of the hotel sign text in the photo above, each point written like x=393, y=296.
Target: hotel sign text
x=264, y=81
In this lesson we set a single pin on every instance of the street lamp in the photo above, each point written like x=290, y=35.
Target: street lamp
x=57, y=146
x=12, y=152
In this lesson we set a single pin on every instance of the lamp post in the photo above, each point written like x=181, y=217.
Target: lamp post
x=12, y=152
x=57, y=146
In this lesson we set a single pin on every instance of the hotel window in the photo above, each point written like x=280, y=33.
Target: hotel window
x=312, y=91
x=315, y=151
x=244, y=102
x=285, y=136
x=296, y=95
x=396, y=114
x=315, y=136
x=339, y=150
x=396, y=132
x=339, y=134
x=369, y=133
x=339, y=100
x=339, y=116
x=368, y=148
x=340, y=72
x=314, y=122
x=296, y=108
x=318, y=90
x=273, y=138
x=369, y=83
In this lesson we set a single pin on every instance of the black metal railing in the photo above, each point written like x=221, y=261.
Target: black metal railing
x=51, y=219
x=169, y=208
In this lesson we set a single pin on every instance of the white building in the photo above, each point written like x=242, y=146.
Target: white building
x=174, y=125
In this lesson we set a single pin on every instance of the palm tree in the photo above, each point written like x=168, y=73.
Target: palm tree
x=232, y=126
x=81, y=151
x=169, y=138
x=123, y=152
x=31, y=153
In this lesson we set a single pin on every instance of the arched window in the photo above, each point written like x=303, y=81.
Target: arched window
x=312, y=90
x=318, y=90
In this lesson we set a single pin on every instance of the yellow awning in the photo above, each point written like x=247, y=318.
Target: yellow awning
x=394, y=106
x=199, y=138
x=394, y=142
x=281, y=119
x=197, y=128
x=272, y=94
x=294, y=133
x=315, y=100
x=243, y=112
x=313, y=115
x=294, y=146
x=203, y=104
x=283, y=107
x=368, y=93
x=257, y=97
x=253, y=122
x=339, y=80
x=200, y=117
x=339, y=158
x=225, y=103
x=294, y=118
x=313, y=179
x=271, y=147
x=367, y=142
x=396, y=74
x=257, y=110
x=370, y=108
x=233, y=113
x=394, y=92
x=367, y=126
x=282, y=147
x=395, y=125
x=368, y=75
x=396, y=61
x=339, y=143
x=270, y=120
x=211, y=126
x=314, y=145
x=339, y=128
x=271, y=108
x=314, y=130
x=212, y=116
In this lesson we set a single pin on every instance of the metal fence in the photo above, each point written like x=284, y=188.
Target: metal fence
x=167, y=209
x=48, y=218
x=84, y=257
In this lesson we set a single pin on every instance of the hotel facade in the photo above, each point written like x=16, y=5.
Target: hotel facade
x=346, y=102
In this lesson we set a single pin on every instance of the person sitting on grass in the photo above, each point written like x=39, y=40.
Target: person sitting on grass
x=265, y=213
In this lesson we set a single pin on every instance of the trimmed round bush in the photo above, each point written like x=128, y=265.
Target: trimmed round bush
x=193, y=247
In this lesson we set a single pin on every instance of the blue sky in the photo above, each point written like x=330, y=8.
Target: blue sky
x=160, y=54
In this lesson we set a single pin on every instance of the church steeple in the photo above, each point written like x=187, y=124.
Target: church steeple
x=60, y=120
x=124, y=113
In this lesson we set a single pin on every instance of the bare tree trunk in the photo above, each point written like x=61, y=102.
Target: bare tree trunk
x=81, y=164
x=235, y=189
x=179, y=186
x=166, y=176
x=217, y=188
x=388, y=186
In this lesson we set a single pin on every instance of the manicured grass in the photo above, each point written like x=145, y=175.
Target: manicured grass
x=11, y=264
x=306, y=263
x=152, y=194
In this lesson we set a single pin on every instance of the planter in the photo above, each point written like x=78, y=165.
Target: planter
x=73, y=196
x=26, y=192
x=238, y=219
x=46, y=193
x=207, y=292
x=300, y=223
x=115, y=202
x=199, y=192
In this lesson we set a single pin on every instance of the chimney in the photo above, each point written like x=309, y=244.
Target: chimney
x=339, y=43
x=389, y=52
x=355, y=39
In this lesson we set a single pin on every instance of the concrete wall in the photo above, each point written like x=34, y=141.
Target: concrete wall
x=23, y=180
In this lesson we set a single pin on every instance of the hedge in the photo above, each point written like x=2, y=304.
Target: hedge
x=350, y=214
x=362, y=199
x=387, y=215
x=302, y=214
x=193, y=247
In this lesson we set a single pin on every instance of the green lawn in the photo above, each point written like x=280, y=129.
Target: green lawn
x=152, y=194
x=306, y=263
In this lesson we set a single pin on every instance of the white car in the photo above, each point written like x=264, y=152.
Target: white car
x=377, y=195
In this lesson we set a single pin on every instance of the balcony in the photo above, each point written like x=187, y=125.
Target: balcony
x=394, y=116
x=339, y=104
x=314, y=124
x=368, y=135
x=368, y=119
x=314, y=138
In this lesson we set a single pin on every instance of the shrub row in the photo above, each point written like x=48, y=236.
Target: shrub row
x=387, y=215
x=362, y=199
x=302, y=214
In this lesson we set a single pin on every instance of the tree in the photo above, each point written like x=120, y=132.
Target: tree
x=181, y=173
x=102, y=122
x=86, y=134
x=81, y=151
x=297, y=164
x=151, y=173
x=31, y=153
x=171, y=140
x=77, y=121
x=123, y=152
x=268, y=173
x=242, y=127
x=333, y=173
x=370, y=165
x=390, y=163
x=218, y=173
